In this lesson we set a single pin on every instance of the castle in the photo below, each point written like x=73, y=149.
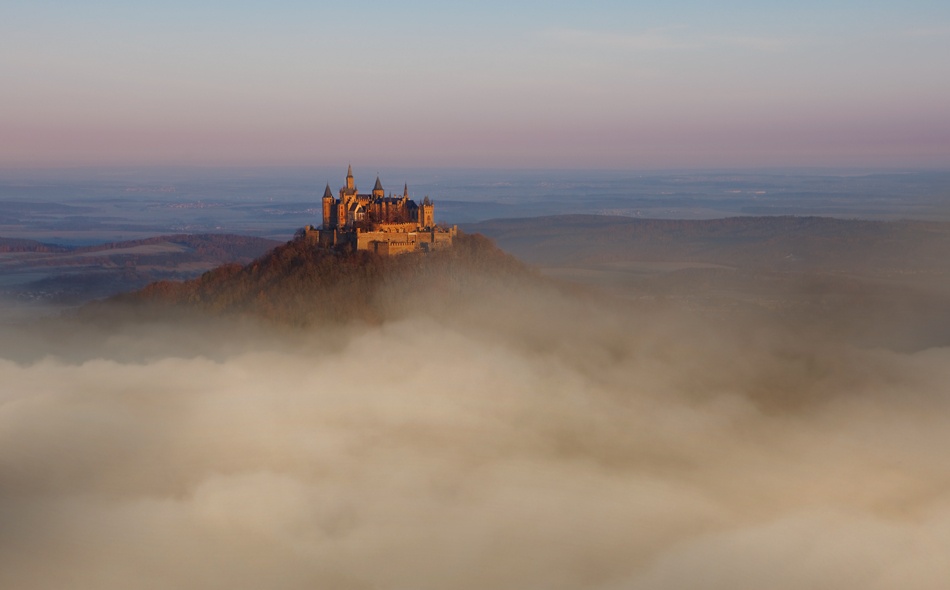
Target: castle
x=384, y=225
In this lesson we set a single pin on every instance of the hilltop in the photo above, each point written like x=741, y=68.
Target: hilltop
x=884, y=283
x=299, y=283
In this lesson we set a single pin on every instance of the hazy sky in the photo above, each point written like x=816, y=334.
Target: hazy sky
x=599, y=83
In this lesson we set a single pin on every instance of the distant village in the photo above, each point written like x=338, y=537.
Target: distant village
x=378, y=223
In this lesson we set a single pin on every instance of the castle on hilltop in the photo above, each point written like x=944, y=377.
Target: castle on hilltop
x=375, y=222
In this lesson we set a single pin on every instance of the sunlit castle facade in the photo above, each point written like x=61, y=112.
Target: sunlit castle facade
x=375, y=222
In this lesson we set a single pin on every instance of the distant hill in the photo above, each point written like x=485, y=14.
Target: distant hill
x=32, y=270
x=21, y=245
x=298, y=283
x=878, y=283
x=760, y=243
x=200, y=246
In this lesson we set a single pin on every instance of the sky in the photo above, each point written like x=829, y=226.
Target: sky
x=507, y=84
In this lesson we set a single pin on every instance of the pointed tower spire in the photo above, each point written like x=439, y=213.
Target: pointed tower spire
x=405, y=190
x=328, y=194
x=379, y=185
x=350, y=185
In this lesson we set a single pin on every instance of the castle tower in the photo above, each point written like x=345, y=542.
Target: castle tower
x=328, y=208
x=426, y=213
x=378, y=192
x=350, y=183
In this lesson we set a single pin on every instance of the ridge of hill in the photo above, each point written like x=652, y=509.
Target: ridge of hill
x=24, y=245
x=34, y=271
x=300, y=283
x=203, y=246
x=882, y=283
x=764, y=243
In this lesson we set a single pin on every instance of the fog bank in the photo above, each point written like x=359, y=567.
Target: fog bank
x=538, y=443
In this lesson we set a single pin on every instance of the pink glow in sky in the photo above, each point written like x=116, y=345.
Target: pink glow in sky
x=446, y=84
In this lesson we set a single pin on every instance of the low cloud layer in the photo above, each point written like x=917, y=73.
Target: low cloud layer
x=543, y=443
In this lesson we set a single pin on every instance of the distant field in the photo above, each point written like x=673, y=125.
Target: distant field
x=622, y=275
x=764, y=243
x=143, y=249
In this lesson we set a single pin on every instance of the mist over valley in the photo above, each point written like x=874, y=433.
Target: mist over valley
x=474, y=295
x=589, y=401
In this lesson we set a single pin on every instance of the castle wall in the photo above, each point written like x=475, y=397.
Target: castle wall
x=365, y=239
x=394, y=248
x=397, y=227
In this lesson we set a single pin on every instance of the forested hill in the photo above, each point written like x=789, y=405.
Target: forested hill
x=301, y=284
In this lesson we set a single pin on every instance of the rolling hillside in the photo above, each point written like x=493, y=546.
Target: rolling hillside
x=34, y=271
